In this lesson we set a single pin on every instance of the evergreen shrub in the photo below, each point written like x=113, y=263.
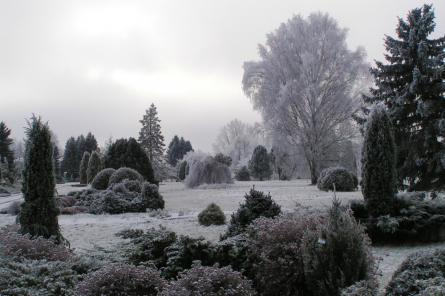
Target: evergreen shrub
x=181, y=172
x=94, y=166
x=362, y=288
x=260, y=164
x=343, y=179
x=14, y=208
x=209, y=281
x=121, y=279
x=124, y=173
x=243, y=174
x=208, y=171
x=257, y=205
x=84, y=167
x=100, y=182
x=224, y=159
x=212, y=215
x=337, y=254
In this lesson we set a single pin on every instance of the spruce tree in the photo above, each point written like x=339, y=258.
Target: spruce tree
x=84, y=167
x=151, y=138
x=70, y=166
x=379, y=163
x=260, y=164
x=94, y=166
x=412, y=88
x=177, y=149
x=6, y=154
x=38, y=214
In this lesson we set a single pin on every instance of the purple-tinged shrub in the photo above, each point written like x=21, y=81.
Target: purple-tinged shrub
x=14, y=207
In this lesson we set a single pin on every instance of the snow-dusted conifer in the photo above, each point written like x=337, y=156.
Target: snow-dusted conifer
x=94, y=166
x=177, y=149
x=84, y=167
x=379, y=163
x=411, y=86
x=260, y=164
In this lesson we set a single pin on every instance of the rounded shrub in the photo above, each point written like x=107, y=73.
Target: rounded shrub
x=100, y=182
x=212, y=215
x=243, y=174
x=121, y=279
x=341, y=177
x=125, y=173
x=151, y=198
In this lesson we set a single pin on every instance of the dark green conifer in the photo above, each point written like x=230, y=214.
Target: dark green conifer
x=38, y=215
x=260, y=164
x=94, y=166
x=84, y=167
x=181, y=171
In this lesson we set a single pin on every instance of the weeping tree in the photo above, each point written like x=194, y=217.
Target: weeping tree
x=38, y=214
x=94, y=166
x=84, y=167
x=208, y=171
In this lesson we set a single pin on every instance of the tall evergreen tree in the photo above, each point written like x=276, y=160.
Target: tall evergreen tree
x=151, y=138
x=56, y=160
x=412, y=87
x=84, y=167
x=69, y=165
x=6, y=154
x=94, y=166
x=90, y=143
x=379, y=163
x=38, y=214
x=260, y=164
x=177, y=149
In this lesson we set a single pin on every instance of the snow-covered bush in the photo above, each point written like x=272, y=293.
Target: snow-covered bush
x=14, y=207
x=243, y=174
x=257, y=205
x=150, y=197
x=121, y=279
x=100, y=182
x=362, y=288
x=124, y=173
x=208, y=171
x=343, y=179
x=209, y=281
x=212, y=215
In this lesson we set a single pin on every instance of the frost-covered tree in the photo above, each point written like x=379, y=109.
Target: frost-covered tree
x=6, y=154
x=38, y=214
x=305, y=83
x=177, y=149
x=260, y=164
x=94, y=166
x=379, y=163
x=83, y=168
x=227, y=160
x=152, y=140
x=208, y=171
x=412, y=87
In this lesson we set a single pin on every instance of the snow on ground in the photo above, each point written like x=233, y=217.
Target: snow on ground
x=86, y=231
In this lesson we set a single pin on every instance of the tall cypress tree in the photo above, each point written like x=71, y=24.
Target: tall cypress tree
x=84, y=167
x=94, y=166
x=412, y=88
x=38, y=215
x=379, y=163
x=6, y=154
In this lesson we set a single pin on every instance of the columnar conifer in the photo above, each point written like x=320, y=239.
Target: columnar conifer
x=84, y=167
x=94, y=166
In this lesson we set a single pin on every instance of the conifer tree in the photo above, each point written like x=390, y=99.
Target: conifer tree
x=177, y=149
x=70, y=166
x=151, y=138
x=260, y=164
x=379, y=164
x=56, y=160
x=84, y=167
x=412, y=88
x=94, y=166
x=38, y=214
x=6, y=154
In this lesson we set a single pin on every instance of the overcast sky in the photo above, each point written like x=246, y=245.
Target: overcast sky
x=96, y=66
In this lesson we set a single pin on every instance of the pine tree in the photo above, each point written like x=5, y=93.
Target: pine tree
x=177, y=149
x=260, y=164
x=94, y=166
x=90, y=143
x=379, y=164
x=6, y=154
x=70, y=166
x=412, y=88
x=38, y=214
x=84, y=167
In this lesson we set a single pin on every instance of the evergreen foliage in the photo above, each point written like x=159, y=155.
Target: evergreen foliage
x=56, y=159
x=182, y=169
x=224, y=159
x=38, y=214
x=260, y=164
x=124, y=173
x=411, y=87
x=379, y=164
x=257, y=205
x=337, y=254
x=130, y=154
x=212, y=215
x=94, y=166
x=243, y=174
x=84, y=167
x=69, y=165
x=208, y=171
x=100, y=182
x=177, y=149
x=343, y=180
x=151, y=138
x=6, y=154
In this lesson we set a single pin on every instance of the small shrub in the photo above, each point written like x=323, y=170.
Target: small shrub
x=243, y=174
x=121, y=279
x=337, y=254
x=14, y=207
x=224, y=159
x=72, y=193
x=211, y=281
x=208, y=171
x=151, y=198
x=418, y=266
x=257, y=205
x=158, y=214
x=74, y=210
x=125, y=173
x=342, y=178
x=100, y=182
x=362, y=288
x=24, y=246
x=212, y=215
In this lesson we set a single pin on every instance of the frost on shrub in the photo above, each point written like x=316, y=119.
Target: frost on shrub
x=23, y=247
x=208, y=171
x=125, y=173
x=212, y=215
x=343, y=179
x=435, y=286
x=418, y=267
x=362, y=288
x=209, y=281
x=121, y=279
x=243, y=174
x=337, y=254
x=158, y=214
x=151, y=198
x=100, y=182
x=257, y=205
x=276, y=254
x=14, y=207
